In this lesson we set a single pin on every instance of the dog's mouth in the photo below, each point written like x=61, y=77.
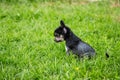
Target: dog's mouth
x=58, y=39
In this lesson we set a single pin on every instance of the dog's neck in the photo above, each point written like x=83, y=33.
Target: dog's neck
x=72, y=39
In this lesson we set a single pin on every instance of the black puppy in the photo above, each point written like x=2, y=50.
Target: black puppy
x=73, y=43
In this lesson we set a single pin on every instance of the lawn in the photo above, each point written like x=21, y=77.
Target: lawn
x=28, y=50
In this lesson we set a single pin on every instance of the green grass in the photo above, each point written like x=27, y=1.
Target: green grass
x=28, y=50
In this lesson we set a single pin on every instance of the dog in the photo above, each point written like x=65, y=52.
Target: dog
x=73, y=44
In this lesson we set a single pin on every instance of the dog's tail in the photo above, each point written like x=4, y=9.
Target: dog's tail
x=107, y=55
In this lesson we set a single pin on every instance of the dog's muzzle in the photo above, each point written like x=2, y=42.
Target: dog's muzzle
x=58, y=39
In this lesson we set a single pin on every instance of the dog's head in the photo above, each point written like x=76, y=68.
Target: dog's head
x=61, y=32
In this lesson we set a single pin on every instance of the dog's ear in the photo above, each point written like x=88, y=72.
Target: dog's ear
x=62, y=23
x=63, y=26
x=65, y=30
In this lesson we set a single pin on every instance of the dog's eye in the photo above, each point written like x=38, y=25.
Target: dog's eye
x=56, y=34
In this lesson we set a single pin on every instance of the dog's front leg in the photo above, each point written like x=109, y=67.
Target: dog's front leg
x=67, y=50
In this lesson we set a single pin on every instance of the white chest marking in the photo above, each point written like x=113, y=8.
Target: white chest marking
x=66, y=48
